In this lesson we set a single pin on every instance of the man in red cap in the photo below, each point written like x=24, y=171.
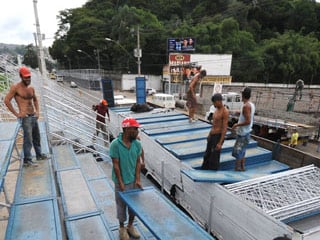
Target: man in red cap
x=101, y=109
x=125, y=152
x=27, y=114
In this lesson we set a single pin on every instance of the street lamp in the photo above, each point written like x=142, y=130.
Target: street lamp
x=98, y=55
x=111, y=40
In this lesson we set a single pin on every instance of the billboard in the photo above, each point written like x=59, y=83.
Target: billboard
x=181, y=44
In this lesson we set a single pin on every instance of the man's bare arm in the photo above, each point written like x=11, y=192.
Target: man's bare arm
x=117, y=171
x=138, y=169
x=8, y=98
x=36, y=104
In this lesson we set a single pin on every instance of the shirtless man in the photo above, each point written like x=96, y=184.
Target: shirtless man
x=211, y=158
x=191, y=94
x=27, y=115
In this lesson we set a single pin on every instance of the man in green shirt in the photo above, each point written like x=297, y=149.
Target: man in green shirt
x=125, y=153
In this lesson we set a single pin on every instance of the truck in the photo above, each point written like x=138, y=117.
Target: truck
x=231, y=100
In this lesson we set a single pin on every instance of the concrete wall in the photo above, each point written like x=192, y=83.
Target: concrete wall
x=272, y=98
x=128, y=82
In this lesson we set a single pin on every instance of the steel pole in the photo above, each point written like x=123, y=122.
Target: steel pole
x=42, y=66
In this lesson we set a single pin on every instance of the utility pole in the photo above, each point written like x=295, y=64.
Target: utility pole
x=42, y=66
x=138, y=52
x=98, y=58
x=37, y=47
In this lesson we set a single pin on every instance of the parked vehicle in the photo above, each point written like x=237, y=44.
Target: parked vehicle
x=60, y=78
x=73, y=85
x=52, y=76
x=163, y=100
x=231, y=100
x=151, y=91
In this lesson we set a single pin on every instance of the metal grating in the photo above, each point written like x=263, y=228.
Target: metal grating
x=285, y=196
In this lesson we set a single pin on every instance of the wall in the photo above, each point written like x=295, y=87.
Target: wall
x=128, y=82
x=272, y=97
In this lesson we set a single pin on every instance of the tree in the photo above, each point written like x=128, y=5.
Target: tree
x=256, y=33
x=30, y=58
x=291, y=56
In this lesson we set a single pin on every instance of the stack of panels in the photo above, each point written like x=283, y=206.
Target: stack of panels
x=145, y=116
x=120, y=109
x=193, y=149
x=227, y=161
x=220, y=176
x=159, y=125
x=176, y=129
x=160, y=119
x=180, y=137
x=187, y=142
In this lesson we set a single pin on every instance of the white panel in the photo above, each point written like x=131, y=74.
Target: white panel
x=215, y=64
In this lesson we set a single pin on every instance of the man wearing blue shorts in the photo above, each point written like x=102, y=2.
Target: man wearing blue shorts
x=243, y=129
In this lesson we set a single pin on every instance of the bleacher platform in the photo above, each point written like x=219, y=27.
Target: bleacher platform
x=163, y=218
x=34, y=213
x=71, y=195
x=8, y=135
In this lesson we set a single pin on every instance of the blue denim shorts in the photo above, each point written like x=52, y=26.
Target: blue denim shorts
x=240, y=146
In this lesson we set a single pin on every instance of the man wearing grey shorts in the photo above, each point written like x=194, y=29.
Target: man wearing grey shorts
x=125, y=152
x=243, y=129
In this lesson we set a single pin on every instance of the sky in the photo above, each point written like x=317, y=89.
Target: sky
x=17, y=19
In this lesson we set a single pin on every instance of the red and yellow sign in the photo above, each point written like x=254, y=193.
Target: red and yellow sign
x=179, y=59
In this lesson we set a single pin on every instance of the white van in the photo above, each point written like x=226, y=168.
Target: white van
x=163, y=100
x=231, y=100
x=59, y=78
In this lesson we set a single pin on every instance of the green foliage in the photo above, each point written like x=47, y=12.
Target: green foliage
x=30, y=57
x=270, y=40
x=292, y=56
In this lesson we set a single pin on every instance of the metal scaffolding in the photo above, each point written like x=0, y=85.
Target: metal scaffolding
x=287, y=196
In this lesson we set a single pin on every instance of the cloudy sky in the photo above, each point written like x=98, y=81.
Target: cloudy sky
x=17, y=19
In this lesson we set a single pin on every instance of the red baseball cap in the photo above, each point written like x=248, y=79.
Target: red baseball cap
x=129, y=122
x=25, y=72
x=104, y=102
